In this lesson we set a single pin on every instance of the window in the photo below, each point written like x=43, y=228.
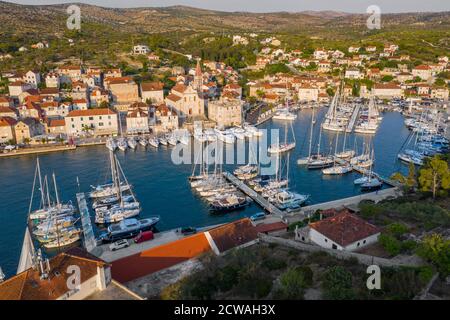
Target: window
x=100, y=124
x=334, y=246
x=364, y=241
x=357, y=244
x=73, y=126
x=91, y=118
x=326, y=240
x=81, y=118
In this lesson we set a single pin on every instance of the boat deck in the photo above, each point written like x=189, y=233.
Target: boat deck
x=89, y=241
x=364, y=171
x=266, y=205
x=352, y=121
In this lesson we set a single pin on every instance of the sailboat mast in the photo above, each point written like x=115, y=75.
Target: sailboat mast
x=310, y=134
x=56, y=189
x=40, y=183
x=47, y=190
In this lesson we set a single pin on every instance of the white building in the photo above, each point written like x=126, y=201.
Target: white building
x=387, y=90
x=52, y=80
x=423, y=71
x=138, y=118
x=153, y=92
x=353, y=74
x=343, y=231
x=92, y=121
x=33, y=78
x=308, y=92
x=141, y=49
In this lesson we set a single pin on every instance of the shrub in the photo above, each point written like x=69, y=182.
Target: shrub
x=337, y=284
x=294, y=281
x=227, y=278
x=390, y=244
x=397, y=229
x=274, y=264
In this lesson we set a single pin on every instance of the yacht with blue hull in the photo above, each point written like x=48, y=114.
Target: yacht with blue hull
x=128, y=228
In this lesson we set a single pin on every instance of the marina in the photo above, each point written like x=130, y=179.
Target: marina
x=144, y=167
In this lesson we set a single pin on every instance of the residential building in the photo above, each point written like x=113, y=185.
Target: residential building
x=124, y=91
x=343, y=231
x=99, y=122
x=423, y=71
x=138, y=118
x=7, y=132
x=67, y=74
x=8, y=112
x=141, y=49
x=33, y=78
x=56, y=127
x=308, y=92
x=353, y=73
x=440, y=93
x=48, y=280
x=166, y=119
x=28, y=128
x=18, y=87
x=387, y=90
x=152, y=92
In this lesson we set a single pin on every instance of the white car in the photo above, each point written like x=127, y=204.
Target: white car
x=119, y=245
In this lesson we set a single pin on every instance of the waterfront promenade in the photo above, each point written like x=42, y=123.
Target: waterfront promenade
x=37, y=150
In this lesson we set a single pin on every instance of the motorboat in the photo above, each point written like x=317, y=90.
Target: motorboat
x=229, y=203
x=122, y=144
x=284, y=115
x=288, y=199
x=337, y=170
x=143, y=142
x=111, y=144
x=371, y=184
x=128, y=228
x=132, y=142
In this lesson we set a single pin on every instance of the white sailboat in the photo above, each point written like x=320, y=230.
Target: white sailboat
x=283, y=147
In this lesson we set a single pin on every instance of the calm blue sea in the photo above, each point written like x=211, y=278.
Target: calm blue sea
x=162, y=187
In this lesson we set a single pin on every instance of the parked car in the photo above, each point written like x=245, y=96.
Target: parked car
x=119, y=245
x=188, y=231
x=258, y=216
x=144, y=236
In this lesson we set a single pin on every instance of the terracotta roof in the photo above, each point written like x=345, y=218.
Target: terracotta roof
x=119, y=80
x=173, y=97
x=137, y=113
x=269, y=227
x=90, y=112
x=233, y=234
x=158, y=258
x=179, y=88
x=345, y=228
x=28, y=285
x=386, y=86
x=7, y=110
x=57, y=123
x=50, y=91
x=423, y=67
x=7, y=121
x=152, y=86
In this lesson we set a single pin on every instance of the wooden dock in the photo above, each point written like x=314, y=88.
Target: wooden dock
x=89, y=241
x=266, y=205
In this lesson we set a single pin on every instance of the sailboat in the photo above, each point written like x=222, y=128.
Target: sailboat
x=332, y=122
x=123, y=210
x=283, y=147
x=369, y=123
x=337, y=169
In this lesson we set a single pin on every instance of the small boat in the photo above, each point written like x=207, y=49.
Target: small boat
x=122, y=144
x=128, y=228
x=107, y=190
x=337, y=170
x=228, y=203
x=280, y=148
x=154, y=142
x=184, y=140
x=62, y=242
x=289, y=200
x=362, y=180
x=284, y=115
x=111, y=144
x=320, y=162
x=163, y=141
x=372, y=184
x=58, y=210
x=143, y=142
x=172, y=140
x=347, y=154
x=132, y=142
x=111, y=201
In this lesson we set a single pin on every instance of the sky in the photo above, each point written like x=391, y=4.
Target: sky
x=354, y=6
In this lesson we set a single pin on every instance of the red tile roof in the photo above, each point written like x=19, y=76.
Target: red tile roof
x=152, y=86
x=270, y=227
x=233, y=234
x=345, y=228
x=90, y=112
x=173, y=97
x=158, y=258
x=7, y=121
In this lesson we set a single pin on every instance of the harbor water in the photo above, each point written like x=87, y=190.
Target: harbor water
x=162, y=187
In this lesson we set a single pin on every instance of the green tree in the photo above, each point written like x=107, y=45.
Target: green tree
x=390, y=244
x=104, y=105
x=436, y=249
x=435, y=177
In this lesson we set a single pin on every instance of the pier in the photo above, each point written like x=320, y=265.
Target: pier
x=266, y=205
x=37, y=150
x=352, y=121
x=89, y=241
